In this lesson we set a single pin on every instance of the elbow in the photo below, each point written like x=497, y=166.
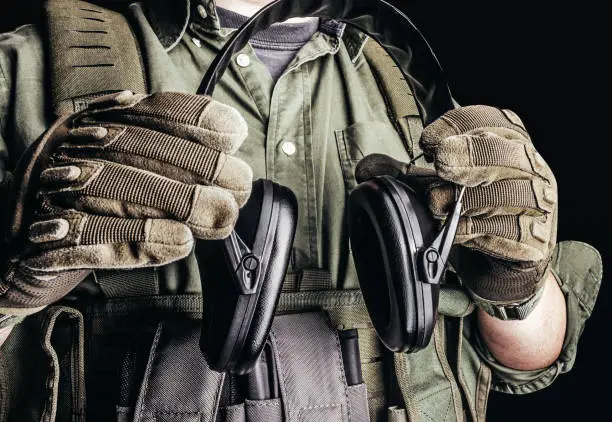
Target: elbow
x=531, y=344
x=523, y=353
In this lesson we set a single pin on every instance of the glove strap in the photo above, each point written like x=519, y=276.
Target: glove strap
x=509, y=311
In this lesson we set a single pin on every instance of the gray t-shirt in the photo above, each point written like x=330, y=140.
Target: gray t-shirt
x=279, y=44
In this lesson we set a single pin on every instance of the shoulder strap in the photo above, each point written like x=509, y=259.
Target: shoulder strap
x=92, y=51
x=401, y=104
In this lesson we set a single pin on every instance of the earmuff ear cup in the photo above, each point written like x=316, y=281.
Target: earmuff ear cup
x=235, y=325
x=388, y=226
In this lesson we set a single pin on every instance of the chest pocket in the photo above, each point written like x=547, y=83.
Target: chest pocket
x=365, y=138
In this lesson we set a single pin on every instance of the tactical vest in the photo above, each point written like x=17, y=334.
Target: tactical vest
x=141, y=348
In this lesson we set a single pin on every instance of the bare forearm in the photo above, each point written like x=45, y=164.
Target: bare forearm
x=532, y=343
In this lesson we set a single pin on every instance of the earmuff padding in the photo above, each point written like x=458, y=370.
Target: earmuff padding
x=388, y=226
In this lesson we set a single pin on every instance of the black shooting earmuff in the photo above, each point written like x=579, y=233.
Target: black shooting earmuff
x=399, y=259
x=237, y=316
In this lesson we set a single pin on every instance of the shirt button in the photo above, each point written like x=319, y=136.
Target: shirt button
x=243, y=60
x=202, y=11
x=289, y=148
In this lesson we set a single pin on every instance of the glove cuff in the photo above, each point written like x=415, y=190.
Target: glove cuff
x=509, y=311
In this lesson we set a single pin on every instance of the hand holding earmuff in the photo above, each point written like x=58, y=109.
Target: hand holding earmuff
x=509, y=217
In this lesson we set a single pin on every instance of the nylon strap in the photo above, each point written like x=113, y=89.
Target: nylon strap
x=136, y=282
x=505, y=312
x=310, y=279
x=454, y=301
x=92, y=51
x=401, y=105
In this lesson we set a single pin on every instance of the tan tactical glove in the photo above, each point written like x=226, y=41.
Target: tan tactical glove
x=126, y=183
x=509, y=218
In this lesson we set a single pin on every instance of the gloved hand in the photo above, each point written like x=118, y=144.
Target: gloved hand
x=509, y=217
x=126, y=183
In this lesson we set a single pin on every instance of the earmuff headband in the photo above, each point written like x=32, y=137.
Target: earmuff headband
x=377, y=18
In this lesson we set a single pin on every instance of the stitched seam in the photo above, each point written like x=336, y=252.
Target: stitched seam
x=581, y=295
x=441, y=390
x=275, y=404
x=321, y=406
x=170, y=412
x=219, y=389
x=281, y=375
x=148, y=370
x=447, y=409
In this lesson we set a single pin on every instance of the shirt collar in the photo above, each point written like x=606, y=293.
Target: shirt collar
x=170, y=18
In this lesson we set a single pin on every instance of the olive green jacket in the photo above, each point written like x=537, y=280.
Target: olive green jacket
x=307, y=131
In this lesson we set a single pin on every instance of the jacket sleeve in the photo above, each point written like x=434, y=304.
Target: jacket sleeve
x=5, y=89
x=578, y=269
x=22, y=112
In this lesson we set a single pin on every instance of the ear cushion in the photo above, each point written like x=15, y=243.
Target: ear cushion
x=388, y=227
x=235, y=325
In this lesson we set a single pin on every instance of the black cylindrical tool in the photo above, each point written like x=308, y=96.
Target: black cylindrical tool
x=349, y=343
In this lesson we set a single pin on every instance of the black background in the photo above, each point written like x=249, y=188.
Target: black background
x=550, y=64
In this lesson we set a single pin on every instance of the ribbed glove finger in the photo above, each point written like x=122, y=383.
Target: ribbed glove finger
x=112, y=186
x=193, y=117
x=66, y=246
x=106, y=188
x=74, y=240
x=176, y=158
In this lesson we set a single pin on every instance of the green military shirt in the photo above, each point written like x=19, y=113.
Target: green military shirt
x=307, y=131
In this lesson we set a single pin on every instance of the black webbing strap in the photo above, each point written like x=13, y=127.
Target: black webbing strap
x=307, y=280
x=138, y=282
